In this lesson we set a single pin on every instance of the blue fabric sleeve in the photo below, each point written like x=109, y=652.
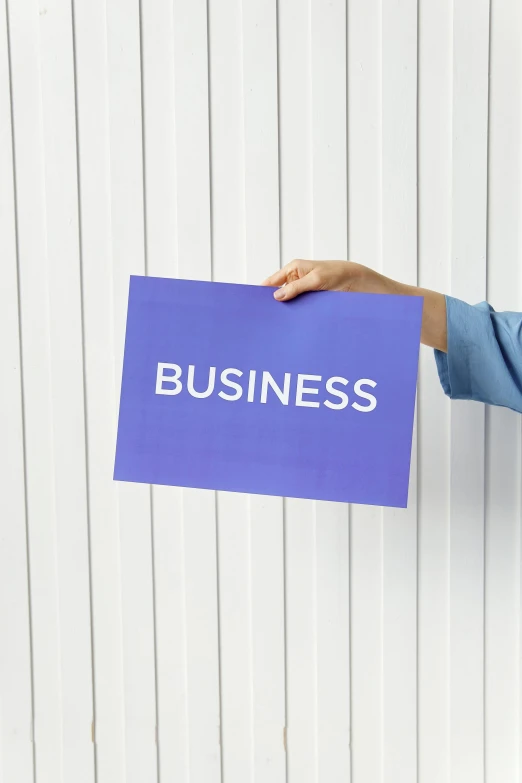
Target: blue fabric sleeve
x=484, y=359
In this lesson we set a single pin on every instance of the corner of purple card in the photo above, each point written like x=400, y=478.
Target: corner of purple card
x=225, y=388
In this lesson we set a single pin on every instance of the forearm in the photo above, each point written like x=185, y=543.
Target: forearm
x=434, y=329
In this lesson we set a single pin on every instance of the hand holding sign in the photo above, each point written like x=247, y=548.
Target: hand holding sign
x=299, y=276
x=322, y=391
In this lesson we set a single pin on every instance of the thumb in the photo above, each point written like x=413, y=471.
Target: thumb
x=291, y=290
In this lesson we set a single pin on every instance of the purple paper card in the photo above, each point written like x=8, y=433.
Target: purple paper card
x=225, y=388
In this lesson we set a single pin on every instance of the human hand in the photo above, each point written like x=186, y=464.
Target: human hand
x=299, y=276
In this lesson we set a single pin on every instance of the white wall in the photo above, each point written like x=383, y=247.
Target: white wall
x=183, y=631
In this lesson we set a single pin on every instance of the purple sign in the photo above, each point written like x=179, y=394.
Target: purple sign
x=225, y=388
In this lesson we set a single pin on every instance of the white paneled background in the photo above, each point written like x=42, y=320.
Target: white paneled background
x=160, y=635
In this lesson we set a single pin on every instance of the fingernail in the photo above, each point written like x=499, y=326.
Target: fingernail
x=279, y=294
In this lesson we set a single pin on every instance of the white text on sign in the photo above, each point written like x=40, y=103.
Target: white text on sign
x=170, y=381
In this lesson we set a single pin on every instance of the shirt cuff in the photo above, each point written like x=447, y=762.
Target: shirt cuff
x=467, y=326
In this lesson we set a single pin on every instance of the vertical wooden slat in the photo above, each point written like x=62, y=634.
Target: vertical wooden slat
x=434, y=176
x=294, y=129
x=100, y=387
x=331, y=524
x=159, y=127
x=67, y=388
x=159, y=137
x=399, y=248
x=268, y=634
x=301, y=616
x=260, y=118
x=245, y=136
x=229, y=265
x=128, y=257
x=29, y=166
x=502, y=735
x=265, y=541
x=227, y=141
x=199, y=507
x=192, y=144
x=235, y=641
x=468, y=281
x=16, y=708
x=295, y=172
x=171, y=656
x=503, y=444
x=200, y=579
x=365, y=247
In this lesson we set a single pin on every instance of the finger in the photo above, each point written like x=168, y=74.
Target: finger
x=281, y=276
x=291, y=290
x=278, y=278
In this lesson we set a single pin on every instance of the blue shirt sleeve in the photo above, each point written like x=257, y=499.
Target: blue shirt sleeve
x=484, y=359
